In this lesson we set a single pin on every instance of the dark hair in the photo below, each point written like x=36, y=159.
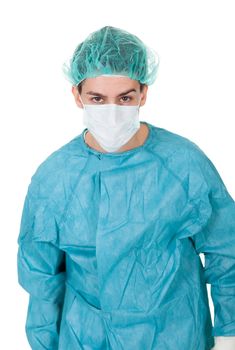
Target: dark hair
x=79, y=86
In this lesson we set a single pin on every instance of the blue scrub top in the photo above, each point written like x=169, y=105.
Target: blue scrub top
x=109, y=248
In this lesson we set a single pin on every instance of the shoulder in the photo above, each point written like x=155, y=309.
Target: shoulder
x=187, y=160
x=58, y=166
x=167, y=142
x=176, y=149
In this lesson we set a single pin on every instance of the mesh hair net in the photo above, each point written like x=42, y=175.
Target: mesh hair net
x=112, y=51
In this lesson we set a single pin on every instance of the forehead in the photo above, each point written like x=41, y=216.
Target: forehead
x=110, y=85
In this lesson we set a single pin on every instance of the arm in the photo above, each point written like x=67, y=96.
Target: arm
x=216, y=239
x=41, y=269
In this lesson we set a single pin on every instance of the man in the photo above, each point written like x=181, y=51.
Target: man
x=114, y=221
x=113, y=93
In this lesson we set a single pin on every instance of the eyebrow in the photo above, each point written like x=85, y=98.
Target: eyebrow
x=101, y=95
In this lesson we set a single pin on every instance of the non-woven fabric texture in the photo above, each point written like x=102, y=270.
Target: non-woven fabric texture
x=109, y=248
x=112, y=51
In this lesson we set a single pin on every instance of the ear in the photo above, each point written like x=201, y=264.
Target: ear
x=143, y=95
x=77, y=96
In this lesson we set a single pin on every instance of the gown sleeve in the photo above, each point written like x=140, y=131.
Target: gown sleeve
x=214, y=209
x=41, y=268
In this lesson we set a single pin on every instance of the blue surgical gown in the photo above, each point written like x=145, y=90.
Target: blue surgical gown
x=109, y=248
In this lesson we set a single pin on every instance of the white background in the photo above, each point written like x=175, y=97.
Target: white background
x=192, y=96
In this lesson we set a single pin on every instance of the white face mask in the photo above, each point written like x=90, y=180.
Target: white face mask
x=112, y=125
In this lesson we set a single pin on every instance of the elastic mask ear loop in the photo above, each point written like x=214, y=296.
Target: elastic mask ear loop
x=81, y=101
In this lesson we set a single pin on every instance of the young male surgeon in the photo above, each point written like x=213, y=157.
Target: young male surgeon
x=114, y=221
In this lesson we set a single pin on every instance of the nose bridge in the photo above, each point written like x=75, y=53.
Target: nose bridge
x=113, y=114
x=111, y=100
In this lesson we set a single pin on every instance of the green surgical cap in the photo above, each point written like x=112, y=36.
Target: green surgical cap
x=112, y=51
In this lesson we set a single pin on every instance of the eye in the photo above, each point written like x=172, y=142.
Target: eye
x=126, y=97
x=96, y=98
